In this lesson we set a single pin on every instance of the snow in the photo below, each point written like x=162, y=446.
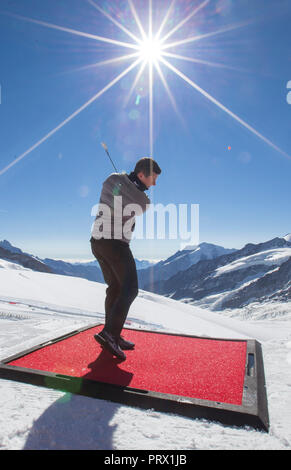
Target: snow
x=276, y=256
x=35, y=307
x=270, y=258
x=195, y=253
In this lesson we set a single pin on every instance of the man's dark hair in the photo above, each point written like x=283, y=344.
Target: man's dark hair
x=148, y=166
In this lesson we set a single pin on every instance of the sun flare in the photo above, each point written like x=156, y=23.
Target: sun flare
x=150, y=50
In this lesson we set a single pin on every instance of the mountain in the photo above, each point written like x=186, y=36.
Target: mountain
x=287, y=237
x=275, y=285
x=180, y=261
x=88, y=270
x=7, y=246
x=206, y=275
x=17, y=256
x=257, y=272
x=143, y=263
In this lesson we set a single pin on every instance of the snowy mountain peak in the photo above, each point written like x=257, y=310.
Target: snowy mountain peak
x=288, y=237
x=205, y=247
x=180, y=261
x=7, y=246
x=190, y=247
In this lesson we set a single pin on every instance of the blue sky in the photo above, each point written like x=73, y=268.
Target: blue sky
x=243, y=192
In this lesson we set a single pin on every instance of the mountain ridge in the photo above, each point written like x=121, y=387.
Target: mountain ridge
x=87, y=270
x=206, y=275
x=233, y=286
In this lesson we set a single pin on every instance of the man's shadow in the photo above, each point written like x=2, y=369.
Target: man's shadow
x=78, y=422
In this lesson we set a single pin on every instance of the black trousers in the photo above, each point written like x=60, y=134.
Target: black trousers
x=119, y=270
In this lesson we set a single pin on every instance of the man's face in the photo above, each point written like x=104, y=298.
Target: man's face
x=148, y=180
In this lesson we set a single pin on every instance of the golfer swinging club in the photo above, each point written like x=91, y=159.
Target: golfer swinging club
x=111, y=235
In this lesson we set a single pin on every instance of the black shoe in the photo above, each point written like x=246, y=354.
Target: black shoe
x=124, y=344
x=109, y=342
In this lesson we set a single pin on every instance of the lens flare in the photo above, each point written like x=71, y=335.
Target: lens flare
x=150, y=50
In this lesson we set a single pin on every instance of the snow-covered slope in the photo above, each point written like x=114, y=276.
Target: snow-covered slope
x=288, y=237
x=37, y=306
x=17, y=256
x=255, y=273
x=180, y=261
x=273, y=257
x=87, y=270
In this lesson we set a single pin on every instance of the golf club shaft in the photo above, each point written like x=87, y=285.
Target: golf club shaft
x=106, y=150
x=112, y=161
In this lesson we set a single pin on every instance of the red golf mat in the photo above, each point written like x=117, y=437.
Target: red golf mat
x=207, y=369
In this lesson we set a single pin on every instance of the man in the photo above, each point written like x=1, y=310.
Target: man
x=121, y=195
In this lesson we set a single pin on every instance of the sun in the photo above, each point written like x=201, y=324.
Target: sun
x=150, y=50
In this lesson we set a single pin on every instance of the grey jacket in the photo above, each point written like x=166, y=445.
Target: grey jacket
x=120, y=202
